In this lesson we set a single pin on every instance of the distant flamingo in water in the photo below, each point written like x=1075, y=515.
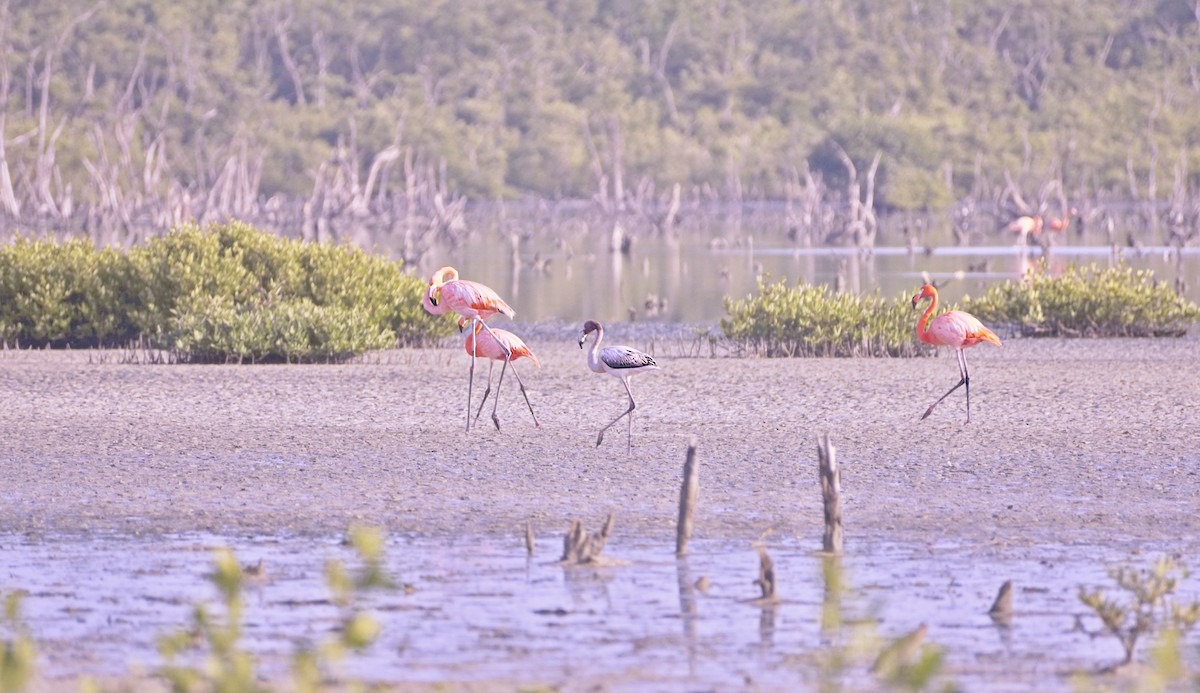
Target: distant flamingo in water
x=1026, y=226
x=1056, y=224
x=470, y=300
x=620, y=362
x=956, y=329
x=494, y=345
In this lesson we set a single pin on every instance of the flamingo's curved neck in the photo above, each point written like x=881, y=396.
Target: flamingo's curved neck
x=594, y=352
x=923, y=323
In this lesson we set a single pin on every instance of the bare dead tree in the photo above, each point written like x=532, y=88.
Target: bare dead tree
x=861, y=223
x=8, y=198
x=283, y=19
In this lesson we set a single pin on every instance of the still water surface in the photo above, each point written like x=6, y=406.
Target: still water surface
x=480, y=610
x=573, y=275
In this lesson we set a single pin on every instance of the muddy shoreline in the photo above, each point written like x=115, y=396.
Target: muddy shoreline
x=1085, y=440
x=1076, y=448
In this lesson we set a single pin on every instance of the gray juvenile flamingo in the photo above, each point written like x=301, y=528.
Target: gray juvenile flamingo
x=620, y=362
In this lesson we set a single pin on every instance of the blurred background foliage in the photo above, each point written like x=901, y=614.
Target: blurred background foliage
x=109, y=103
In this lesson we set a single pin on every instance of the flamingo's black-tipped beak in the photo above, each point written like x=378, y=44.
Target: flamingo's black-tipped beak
x=914, y=302
x=581, y=340
x=433, y=301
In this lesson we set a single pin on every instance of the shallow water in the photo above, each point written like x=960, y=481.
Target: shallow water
x=686, y=279
x=481, y=610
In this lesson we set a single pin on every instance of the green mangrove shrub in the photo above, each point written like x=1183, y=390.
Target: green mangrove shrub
x=1087, y=302
x=226, y=292
x=809, y=320
x=66, y=293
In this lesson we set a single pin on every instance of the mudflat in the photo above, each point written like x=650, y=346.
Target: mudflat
x=1079, y=453
x=1070, y=440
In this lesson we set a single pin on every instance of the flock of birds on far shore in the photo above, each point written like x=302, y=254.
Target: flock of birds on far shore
x=475, y=303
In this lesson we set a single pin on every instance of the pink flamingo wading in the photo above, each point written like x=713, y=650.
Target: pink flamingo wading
x=494, y=345
x=620, y=362
x=470, y=300
x=956, y=329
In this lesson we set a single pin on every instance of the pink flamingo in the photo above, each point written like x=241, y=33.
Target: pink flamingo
x=620, y=362
x=471, y=300
x=1025, y=227
x=956, y=329
x=1057, y=224
x=494, y=345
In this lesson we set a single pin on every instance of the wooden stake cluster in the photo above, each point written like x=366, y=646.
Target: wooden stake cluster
x=688, y=495
x=580, y=547
x=831, y=488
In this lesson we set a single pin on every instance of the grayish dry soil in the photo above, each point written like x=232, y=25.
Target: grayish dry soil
x=1069, y=440
x=1086, y=443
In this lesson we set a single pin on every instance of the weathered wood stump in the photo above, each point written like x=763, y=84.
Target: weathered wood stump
x=1002, y=608
x=831, y=489
x=580, y=547
x=766, y=578
x=688, y=495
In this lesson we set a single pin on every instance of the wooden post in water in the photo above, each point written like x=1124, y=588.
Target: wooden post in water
x=529, y=542
x=1002, y=608
x=831, y=489
x=688, y=495
x=766, y=577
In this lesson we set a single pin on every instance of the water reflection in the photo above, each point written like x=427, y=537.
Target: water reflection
x=687, y=610
x=478, y=612
x=578, y=273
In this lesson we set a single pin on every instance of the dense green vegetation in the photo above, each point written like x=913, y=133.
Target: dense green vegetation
x=1088, y=302
x=222, y=293
x=108, y=104
x=812, y=320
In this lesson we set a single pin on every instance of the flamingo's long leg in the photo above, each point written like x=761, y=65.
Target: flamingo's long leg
x=471, y=377
x=485, y=392
x=964, y=379
x=932, y=406
x=518, y=375
x=628, y=412
x=499, y=384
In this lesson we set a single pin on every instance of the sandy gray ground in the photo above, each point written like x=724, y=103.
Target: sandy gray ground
x=1086, y=441
x=1069, y=441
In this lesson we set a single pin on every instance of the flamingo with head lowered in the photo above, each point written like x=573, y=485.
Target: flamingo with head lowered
x=492, y=345
x=956, y=329
x=471, y=300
